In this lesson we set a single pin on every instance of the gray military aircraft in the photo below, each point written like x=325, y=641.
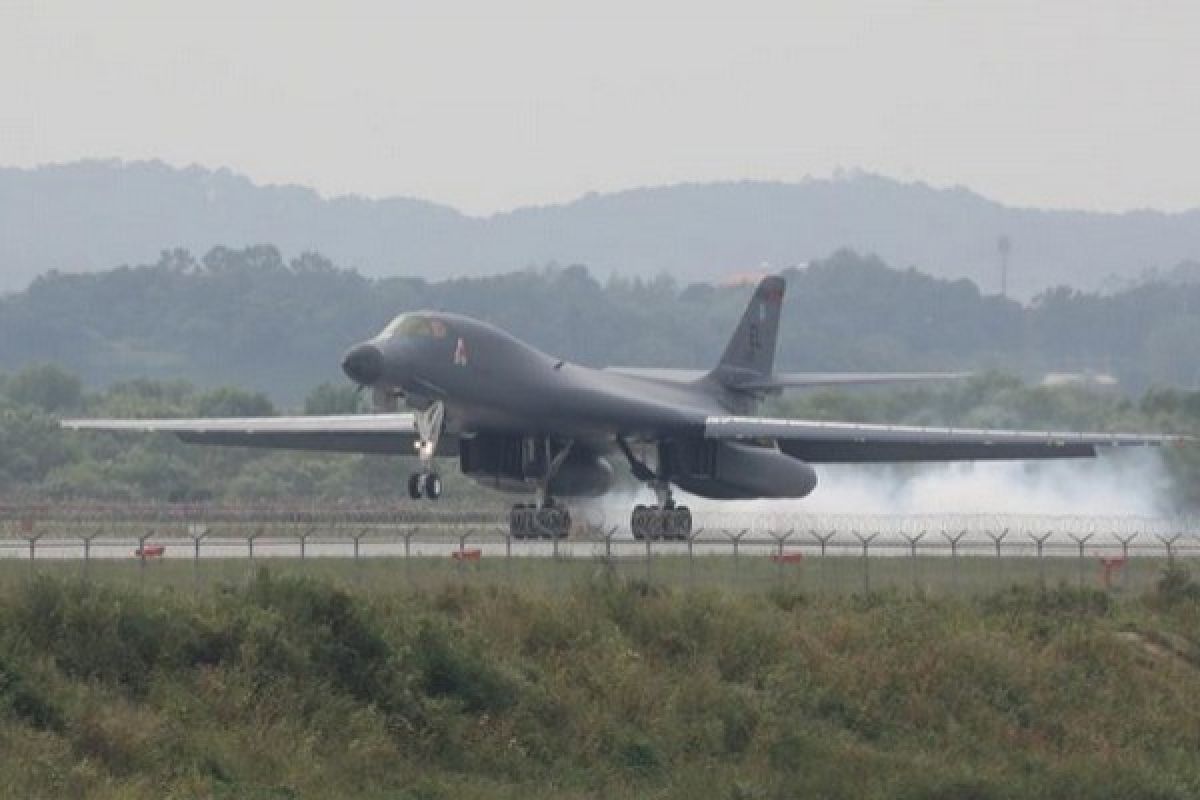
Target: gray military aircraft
x=520, y=420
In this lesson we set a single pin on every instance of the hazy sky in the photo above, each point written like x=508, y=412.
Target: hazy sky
x=487, y=105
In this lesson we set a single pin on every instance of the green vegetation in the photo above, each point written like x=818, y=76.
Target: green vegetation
x=840, y=576
x=297, y=687
x=249, y=318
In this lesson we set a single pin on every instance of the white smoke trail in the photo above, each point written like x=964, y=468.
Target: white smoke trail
x=1126, y=484
x=1131, y=484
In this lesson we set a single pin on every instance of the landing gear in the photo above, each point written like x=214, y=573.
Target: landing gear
x=543, y=519
x=655, y=522
x=424, y=484
x=665, y=520
x=527, y=521
x=427, y=482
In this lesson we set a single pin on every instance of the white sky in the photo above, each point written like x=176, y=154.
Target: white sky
x=491, y=105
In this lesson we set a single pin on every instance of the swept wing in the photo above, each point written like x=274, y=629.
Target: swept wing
x=345, y=433
x=855, y=443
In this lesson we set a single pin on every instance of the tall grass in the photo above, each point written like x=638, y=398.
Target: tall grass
x=284, y=686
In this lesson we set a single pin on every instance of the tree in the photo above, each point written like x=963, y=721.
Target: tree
x=46, y=387
x=329, y=398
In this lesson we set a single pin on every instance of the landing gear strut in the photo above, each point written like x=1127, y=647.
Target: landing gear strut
x=665, y=520
x=427, y=482
x=543, y=519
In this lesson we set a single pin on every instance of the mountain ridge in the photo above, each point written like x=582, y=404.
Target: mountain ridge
x=92, y=215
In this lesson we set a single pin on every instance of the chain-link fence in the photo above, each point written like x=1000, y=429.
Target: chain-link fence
x=827, y=552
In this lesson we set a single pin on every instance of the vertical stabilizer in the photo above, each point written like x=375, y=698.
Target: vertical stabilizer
x=750, y=354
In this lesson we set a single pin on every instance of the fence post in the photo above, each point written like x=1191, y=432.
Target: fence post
x=87, y=549
x=32, y=538
x=1081, y=543
x=998, y=539
x=303, y=537
x=408, y=535
x=610, y=565
x=29, y=534
x=1125, y=542
x=737, y=540
x=357, y=539
x=866, y=558
x=1169, y=543
x=197, y=533
x=913, y=540
x=691, y=539
x=462, y=548
x=649, y=555
x=954, y=539
x=779, y=543
x=142, y=554
x=1040, y=541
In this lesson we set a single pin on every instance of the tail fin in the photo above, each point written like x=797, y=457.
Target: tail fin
x=750, y=354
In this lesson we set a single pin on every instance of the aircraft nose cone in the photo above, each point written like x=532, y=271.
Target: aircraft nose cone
x=363, y=363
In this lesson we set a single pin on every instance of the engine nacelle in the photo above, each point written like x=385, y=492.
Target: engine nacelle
x=735, y=470
x=511, y=464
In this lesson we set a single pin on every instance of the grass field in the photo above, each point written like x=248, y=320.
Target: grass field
x=832, y=575
x=534, y=678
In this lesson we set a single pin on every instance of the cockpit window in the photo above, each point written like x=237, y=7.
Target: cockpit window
x=416, y=325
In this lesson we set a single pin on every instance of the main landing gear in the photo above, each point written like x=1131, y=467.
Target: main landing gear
x=664, y=521
x=527, y=521
x=655, y=522
x=544, y=519
x=427, y=482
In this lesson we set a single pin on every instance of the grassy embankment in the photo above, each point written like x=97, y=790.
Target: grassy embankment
x=315, y=687
x=753, y=571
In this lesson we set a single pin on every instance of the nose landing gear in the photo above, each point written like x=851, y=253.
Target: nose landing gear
x=424, y=484
x=427, y=482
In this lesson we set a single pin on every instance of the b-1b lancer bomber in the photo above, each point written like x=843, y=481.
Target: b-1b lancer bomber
x=519, y=420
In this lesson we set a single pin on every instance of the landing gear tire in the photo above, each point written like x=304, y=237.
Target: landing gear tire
x=424, y=484
x=654, y=522
x=431, y=483
x=637, y=522
x=678, y=523
x=531, y=522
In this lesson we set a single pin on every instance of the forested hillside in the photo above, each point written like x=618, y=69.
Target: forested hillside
x=252, y=319
x=91, y=215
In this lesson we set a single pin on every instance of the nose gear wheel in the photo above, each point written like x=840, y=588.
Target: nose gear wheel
x=430, y=422
x=424, y=484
